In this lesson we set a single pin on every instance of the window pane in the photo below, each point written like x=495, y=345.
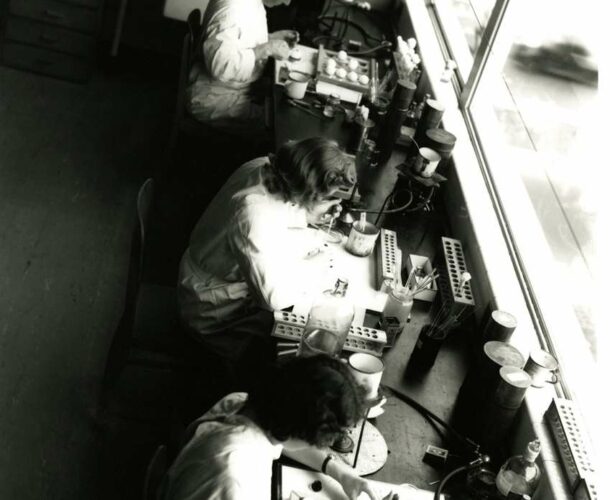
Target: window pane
x=464, y=22
x=537, y=113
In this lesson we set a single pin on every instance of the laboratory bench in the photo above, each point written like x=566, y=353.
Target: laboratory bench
x=405, y=430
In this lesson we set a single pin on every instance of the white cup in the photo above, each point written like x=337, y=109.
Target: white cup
x=542, y=367
x=296, y=85
x=430, y=161
x=367, y=370
x=361, y=239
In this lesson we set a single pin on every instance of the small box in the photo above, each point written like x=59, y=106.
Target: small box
x=435, y=456
x=428, y=294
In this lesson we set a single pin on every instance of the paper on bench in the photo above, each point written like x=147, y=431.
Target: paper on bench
x=298, y=481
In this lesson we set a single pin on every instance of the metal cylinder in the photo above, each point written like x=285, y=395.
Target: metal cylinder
x=498, y=413
x=397, y=112
x=440, y=140
x=500, y=326
x=481, y=383
x=512, y=387
x=431, y=116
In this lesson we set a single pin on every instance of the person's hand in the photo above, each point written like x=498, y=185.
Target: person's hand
x=291, y=37
x=353, y=486
x=324, y=211
x=278, y=49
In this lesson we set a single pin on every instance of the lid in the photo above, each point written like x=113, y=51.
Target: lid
x=503, y=354
x=516, y=377
x=505, y=319
x=441, y=136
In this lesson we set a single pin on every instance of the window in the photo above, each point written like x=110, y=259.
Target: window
x=529, y=94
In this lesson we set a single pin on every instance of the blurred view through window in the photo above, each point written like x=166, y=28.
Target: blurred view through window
x=540, y=89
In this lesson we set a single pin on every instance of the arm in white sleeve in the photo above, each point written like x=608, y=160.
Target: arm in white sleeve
x=346, y=476
x=225, y=59
x=271, y=259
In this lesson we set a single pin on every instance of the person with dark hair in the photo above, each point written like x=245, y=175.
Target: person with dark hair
x=301, y=406
x=249, y=254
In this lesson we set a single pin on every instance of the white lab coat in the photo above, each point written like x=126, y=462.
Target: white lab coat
x=249, y=249
x=227, y=457
x=221, y=95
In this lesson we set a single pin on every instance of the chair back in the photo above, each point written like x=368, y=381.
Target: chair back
x=194, y=34
x=136, y=256
x=155, y=472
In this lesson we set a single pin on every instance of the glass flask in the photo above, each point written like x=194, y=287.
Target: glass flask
x=519, y=475
x=328, y=323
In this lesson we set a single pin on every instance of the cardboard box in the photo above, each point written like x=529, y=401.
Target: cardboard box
x=428, y=294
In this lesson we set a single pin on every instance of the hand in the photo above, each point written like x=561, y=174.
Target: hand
x=354, y=486
x=278, y=49
x=291, y=37
x=324, y=211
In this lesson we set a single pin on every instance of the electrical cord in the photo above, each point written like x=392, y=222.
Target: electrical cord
x=463, y=441
x=382, y=46
x=367, y=37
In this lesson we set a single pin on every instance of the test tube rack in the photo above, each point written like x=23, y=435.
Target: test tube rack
x=388, y=259
x=455, y=299
x=564, y=421
x=290, y=326
x=451, y=269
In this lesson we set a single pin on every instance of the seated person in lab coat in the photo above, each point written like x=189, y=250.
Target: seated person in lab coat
x=304, y=404
x=249, y=254
x=234, y=49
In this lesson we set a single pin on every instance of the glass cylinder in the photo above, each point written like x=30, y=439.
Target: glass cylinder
x=328, y=323
x=398, y=305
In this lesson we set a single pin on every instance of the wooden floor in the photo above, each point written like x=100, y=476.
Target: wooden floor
x=71, y=160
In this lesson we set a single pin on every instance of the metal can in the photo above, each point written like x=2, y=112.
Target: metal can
x=333, y=101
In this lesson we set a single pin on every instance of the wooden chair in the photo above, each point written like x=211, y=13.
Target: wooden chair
x=148, y=333
x=183, y=122
x=157, y=467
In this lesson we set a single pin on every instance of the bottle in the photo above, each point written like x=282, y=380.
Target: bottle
x=328, y=324
x=333, y=101
x=519, y=475
x=420, y=108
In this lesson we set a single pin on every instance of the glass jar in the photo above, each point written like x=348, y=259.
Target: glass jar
x=333, y=101
x=398, y=304
x=328, y=323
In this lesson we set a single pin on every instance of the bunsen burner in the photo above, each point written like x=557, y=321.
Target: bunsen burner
x=440, y=140
x=480, y=383
x=499, y=413
x=500, y=326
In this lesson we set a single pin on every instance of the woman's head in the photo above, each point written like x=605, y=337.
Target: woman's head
x=309, y=171
x=313, y=399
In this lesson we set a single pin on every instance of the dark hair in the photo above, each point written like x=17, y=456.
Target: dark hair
x=309, y=170
x=314, y=399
